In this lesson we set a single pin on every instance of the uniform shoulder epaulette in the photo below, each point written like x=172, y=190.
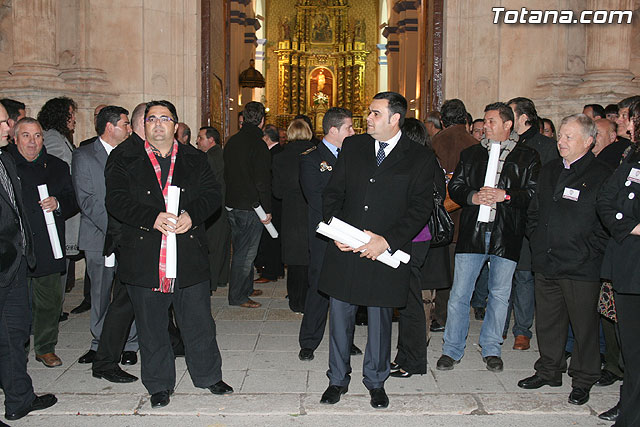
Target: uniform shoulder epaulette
x=309, y=150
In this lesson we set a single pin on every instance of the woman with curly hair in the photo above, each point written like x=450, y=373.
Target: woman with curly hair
x=619, y=210
x=58, y=120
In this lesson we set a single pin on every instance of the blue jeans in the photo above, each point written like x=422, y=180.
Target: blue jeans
x=522, y=303
x=481, y=292
x=467, y=269
x=246, y=230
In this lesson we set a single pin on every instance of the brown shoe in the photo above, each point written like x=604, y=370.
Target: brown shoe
x=50, y=360
x=263, y=280
x=251, y=304
x=521, y=343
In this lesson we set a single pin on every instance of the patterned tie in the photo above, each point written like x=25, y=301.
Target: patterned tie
x=380, y=156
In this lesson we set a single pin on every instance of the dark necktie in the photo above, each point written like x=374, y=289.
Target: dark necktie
x=380, y=155
x=337, y=152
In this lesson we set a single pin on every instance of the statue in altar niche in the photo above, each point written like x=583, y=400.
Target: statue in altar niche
x=359, y=31
x=322, y=31
x=321, y=88
x=285, y=29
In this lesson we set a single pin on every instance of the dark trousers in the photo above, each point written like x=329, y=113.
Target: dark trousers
x=628, y=310
x=377, y=356
x=269, y=256
x=297, y=285
x=192, y=307
x=412, y=325
x=115, y=329
x=612, y=348
x=46, y=295
x=246, y=230
x=316, y=305
x=559, y=302
x=15, y=325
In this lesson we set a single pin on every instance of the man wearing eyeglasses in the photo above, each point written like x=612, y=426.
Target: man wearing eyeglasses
x=113, y=126
x=138, y=177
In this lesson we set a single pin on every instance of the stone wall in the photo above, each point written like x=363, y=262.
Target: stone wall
x=560, y=67
x=121, y=52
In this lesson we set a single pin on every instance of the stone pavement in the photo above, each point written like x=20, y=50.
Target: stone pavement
x=272, y=387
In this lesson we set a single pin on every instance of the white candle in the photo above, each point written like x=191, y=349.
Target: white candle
x=173, y=201
x=54, y=239
x=490, y=179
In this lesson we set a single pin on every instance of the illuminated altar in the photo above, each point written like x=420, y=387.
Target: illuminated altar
x=321, y=62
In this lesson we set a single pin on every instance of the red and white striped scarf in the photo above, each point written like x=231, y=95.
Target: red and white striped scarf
x=166, y=284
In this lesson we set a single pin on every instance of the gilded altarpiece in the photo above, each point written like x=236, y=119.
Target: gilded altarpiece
x=321, y=61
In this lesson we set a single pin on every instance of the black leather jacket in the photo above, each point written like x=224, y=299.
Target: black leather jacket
x=518, y=178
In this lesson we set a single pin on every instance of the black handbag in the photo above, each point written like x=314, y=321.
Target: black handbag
x=440, y=223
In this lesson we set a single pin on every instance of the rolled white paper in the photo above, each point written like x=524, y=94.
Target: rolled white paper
x=490, y=179
x=335, y=234
x=173, y=201
x=43, y=191
x=110, y=260
x=350, y=230
x=263, y=215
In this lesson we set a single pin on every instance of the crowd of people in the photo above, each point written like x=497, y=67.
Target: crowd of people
x=546, y=227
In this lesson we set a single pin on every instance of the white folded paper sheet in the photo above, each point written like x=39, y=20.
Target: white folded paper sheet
x=54, y=239
x=350, y=230
x=172, y=246
x=490, y=179
x=336, y=234
x=263, y=215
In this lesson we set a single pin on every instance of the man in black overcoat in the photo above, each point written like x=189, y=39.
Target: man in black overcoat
x=382, y=183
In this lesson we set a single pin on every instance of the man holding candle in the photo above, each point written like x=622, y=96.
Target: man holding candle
x=492, y=226
x=35, y=167
x=138, y=177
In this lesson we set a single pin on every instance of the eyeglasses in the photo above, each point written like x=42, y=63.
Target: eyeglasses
x=154, y=119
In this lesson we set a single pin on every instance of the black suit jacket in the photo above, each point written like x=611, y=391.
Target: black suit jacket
x=10, y=237
x=394, y=200
x=135, y=199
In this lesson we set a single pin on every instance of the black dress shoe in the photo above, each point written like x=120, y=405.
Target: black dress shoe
x=116, y=375
x=607, y=378
x=220, y=388
x=436, y=327
x=612, y=414
x=332, y=394
x=379, y=398
x=87, y=357
x=161, y=398
x=494, y=363
x=84, y=306
x=64, y=316
x=579, y=396
x=445, y=363
x=129, y=358
x=355, y=351
x=305, y=354
x=535, y=381
x=40, y=402
x=394, y=366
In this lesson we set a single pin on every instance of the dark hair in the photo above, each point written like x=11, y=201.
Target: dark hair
x=272, y=132
x=469, y=119
x=634, y=116
x=109, y=114
x=526, y=106
x=186, y=132
x=253, y=113
x=503, y=109
x=212, y=132
x=240, y=114
x=453, y=112
x=334, y=118
x=626, y=103
x=611, y=109
x=476, y=121
x=598, y=110
x=397, y=104
x=305, y=118
x=416, y=131
x=553, y=128
x=13, y=107
x=435, y=118
x=55, y=114
x=162, y=103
